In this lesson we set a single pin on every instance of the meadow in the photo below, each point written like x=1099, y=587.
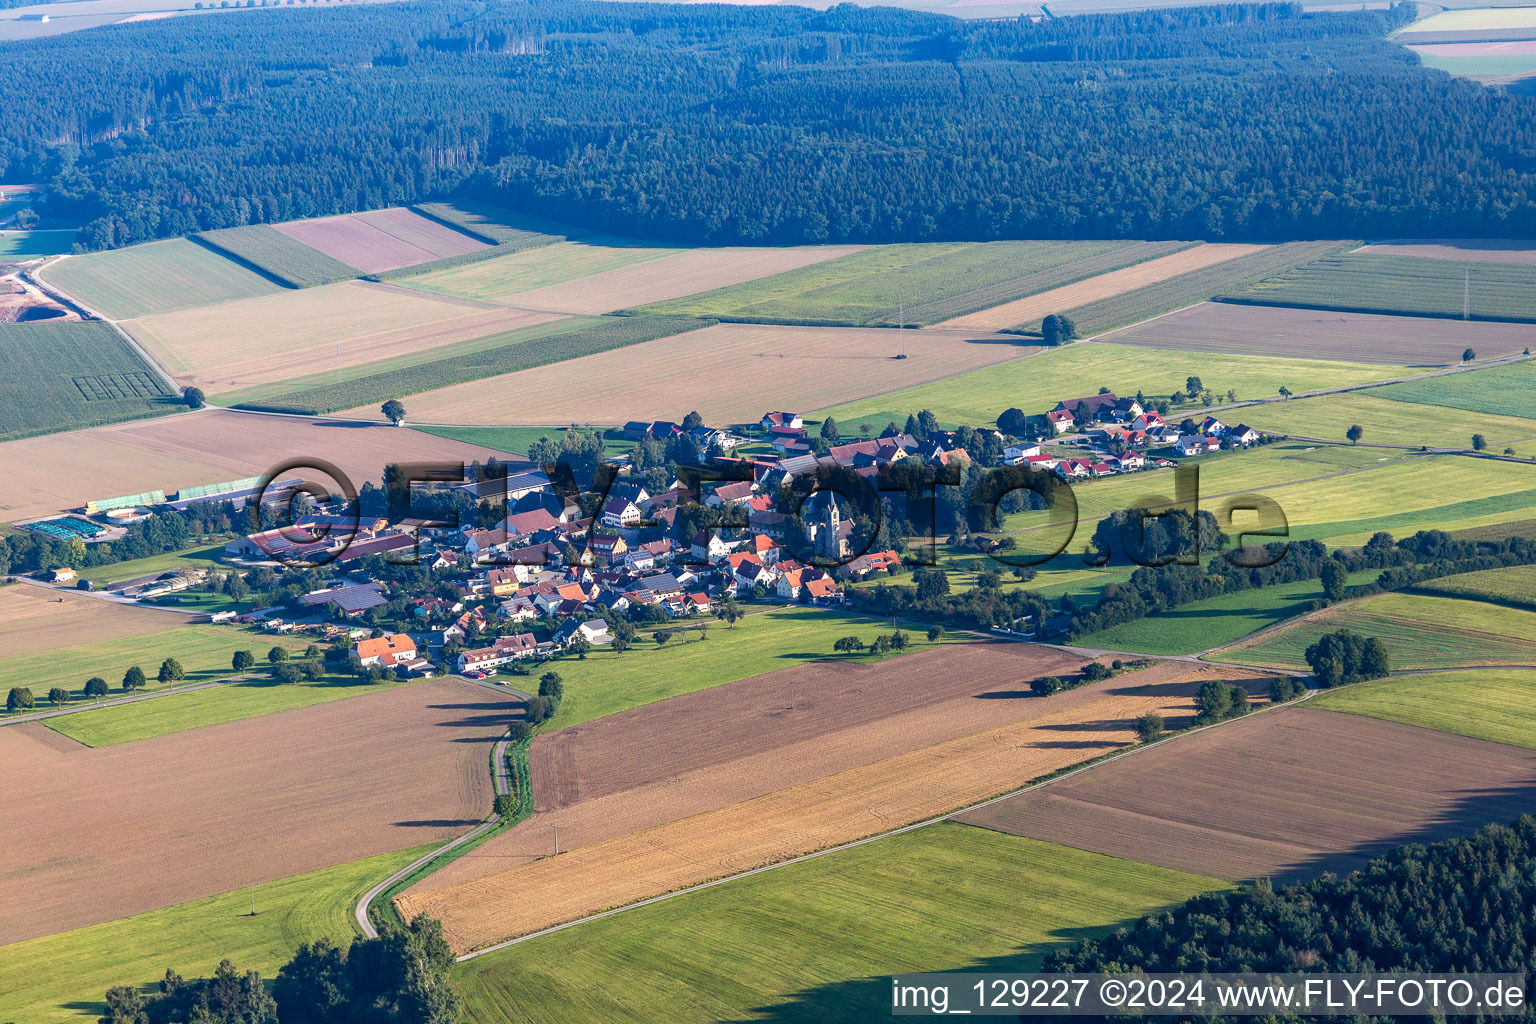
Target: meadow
x=605, y=683
x=515, y=440
x=1387, y=422
x=277, y=255
x=1367, y=283
x=31, y=245
x=1480, y=513
x=523, y=349
x=496, y=225
x=1037, y=383
x=1214, y=622
x=933, y=281
x=504, y=278
x=1418, y=631
x=62, y=376
x=1495, y=390
x=1488, y=704
x=126, y=723
x=1514, y=586
x=204, y=651
x=802, y=944
x=1185, y=290
x=203, y=556
x=61, y=978
x=156, y=277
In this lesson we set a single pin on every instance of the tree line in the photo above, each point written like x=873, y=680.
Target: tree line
x=721, y=123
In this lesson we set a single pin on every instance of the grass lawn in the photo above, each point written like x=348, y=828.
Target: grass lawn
x=607, y=683
x=1419, y=632
x=203, y=650
x=203, y=556
x=60, y=979
x=1388, y=422
x=1036, y=383
x=817, y=941
x=1498, y=390
x=31, y=245
x=1515, y=585
x=1475, y=513
x=128, y=722
x=1215, y=621
x=1486, y=704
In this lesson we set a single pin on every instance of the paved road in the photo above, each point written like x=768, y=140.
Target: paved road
x=102, y=595
x=502, y=780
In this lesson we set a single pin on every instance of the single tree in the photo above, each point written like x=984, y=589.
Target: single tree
x=393, y=411
x=1355, y=433
x=619, y=645
x=693, y=420
x=1334, y=578
x=96, y=687
x=1057, y=329
x=242, y=660
x=848, y=645
x=19, y=699
x=1046, y=685
x=581, y=645
x=661, y=636
x=900, y=641
x=1213, y=702
x=170, y=671
x=1285, y=392
x=1149, y=726
x=1193, y=386
x=133, y=679
x=935, y=633
x=552, y=687
x=881, y=646
x=277, y=655
x=1479, y=442
x=829, y=430
x=1468, y=355
x=194, y=398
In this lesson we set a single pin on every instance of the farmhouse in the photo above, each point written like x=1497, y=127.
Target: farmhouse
x=351, y=600
x=394, y=649
x=594, y=631
x=505, y=650
x=774, y=420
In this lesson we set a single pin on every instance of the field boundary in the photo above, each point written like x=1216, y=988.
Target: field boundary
x=1342, y=307
x=223, y=253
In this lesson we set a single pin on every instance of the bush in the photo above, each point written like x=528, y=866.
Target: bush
x=1094, y=671
x=1047, y=685
x=1149, y=726
x=1284, y=688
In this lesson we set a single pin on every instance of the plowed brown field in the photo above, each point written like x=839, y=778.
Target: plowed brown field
x=95, y=834
x=1233, y=328
x=721, y=371
x=917, y=778
x=59, y=471
x=33, y=620
x=1477, y=250
x=1294, y=792
x=1104, y=286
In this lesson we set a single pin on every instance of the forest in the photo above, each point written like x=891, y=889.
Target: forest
x=720, y=123
x=1458, y=905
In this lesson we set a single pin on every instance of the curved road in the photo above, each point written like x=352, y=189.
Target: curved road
x=502, y=780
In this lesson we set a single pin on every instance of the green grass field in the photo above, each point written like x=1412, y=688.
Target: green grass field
x=154, y=278
x=515, y=440
x=933, y=280
x=31, y=245
x=1387, y=422
x=1492, y=64
x=1418, y=631
x=204, y=651
x=1486, y=513
x=496, y=225
x=1365, y=283
x=277, y=255
x=1213, y=622
x=1036, y=383
x=607, y=683
x=1488, y=704
x=63, y=376
x=60, y=979
x=501, y=278
x=552, y=342
x=817, y=941
x=203, y=556
x=1498, y=390
x=1186, y=289
x=162, y=716
x=1515, y=586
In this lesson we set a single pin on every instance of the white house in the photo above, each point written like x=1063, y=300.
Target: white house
x=1017, y=453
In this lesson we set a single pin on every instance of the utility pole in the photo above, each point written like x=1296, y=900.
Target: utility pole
x=557, y=840
x=1466, y=296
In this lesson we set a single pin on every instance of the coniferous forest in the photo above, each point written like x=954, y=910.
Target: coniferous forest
x=772, y=124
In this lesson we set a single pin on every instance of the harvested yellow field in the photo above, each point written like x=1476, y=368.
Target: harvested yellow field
x=1104, y=286
x=272, y=338
x=838, y=808
x=726, y=372
x=673, y=276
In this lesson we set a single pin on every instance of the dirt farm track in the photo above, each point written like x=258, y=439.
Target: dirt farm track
x=208, y=810
x=59, y=471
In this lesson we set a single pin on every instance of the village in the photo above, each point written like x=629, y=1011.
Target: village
x=559, y=571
